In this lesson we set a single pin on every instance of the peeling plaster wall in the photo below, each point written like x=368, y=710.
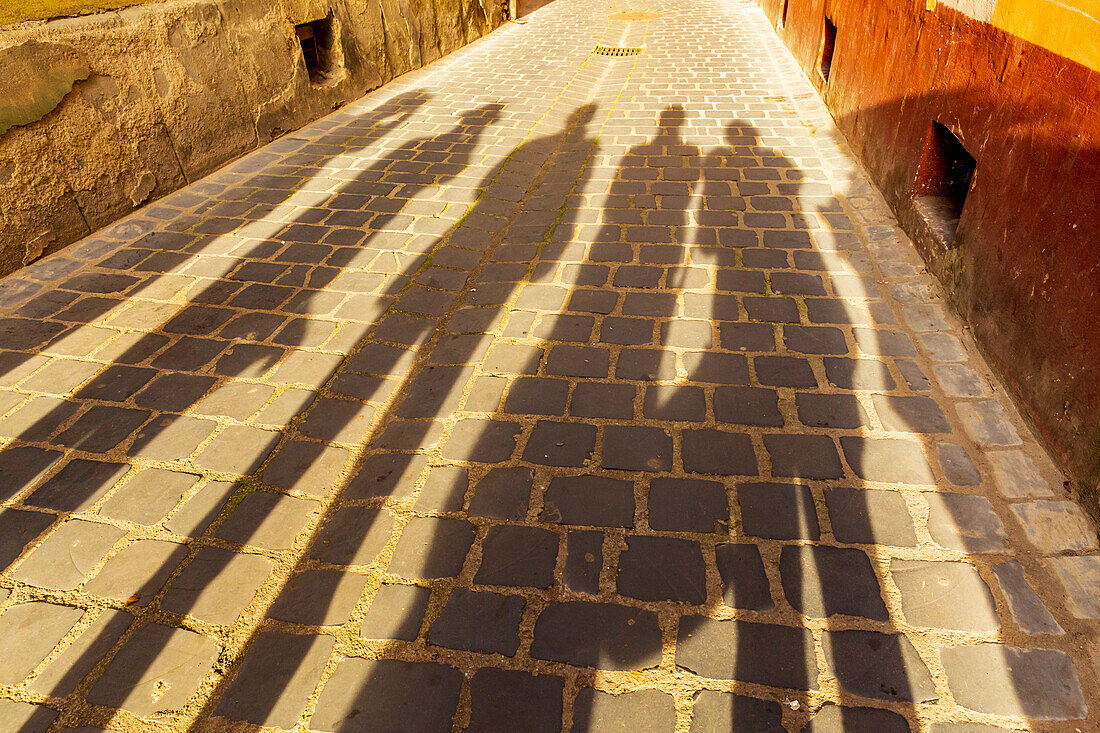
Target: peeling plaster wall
x=104, y=113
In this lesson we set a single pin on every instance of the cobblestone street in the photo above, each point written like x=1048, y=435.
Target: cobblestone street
x=538, y=390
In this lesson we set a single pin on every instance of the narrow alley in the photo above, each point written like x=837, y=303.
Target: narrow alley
x=578, y=381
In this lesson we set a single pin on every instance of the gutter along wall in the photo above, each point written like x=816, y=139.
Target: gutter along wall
x=103, y=113
x=1023, y=266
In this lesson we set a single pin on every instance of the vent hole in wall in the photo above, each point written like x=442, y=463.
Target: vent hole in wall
x=783, y=14
x=828, y=43
x=321, y=52
x=944, y=177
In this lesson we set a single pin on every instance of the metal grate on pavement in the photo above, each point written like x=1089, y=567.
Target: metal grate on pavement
x=602, y=50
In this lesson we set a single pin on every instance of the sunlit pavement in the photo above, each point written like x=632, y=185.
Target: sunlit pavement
x=538, y=390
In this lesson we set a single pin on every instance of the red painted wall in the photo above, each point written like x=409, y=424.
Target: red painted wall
x=1025, y=268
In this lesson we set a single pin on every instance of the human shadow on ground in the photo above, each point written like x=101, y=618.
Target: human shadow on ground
x=271, y=282
x=486, y=559
x=635, y=359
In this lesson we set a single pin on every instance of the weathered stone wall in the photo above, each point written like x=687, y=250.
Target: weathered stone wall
x=106, y=112
x=1024, y=266
x=17, y=11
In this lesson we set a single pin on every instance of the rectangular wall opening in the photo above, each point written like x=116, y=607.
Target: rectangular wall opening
x=321, y=50
x=828, y=43
x=944, y=177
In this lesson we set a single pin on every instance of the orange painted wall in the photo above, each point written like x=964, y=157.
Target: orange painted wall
x=1070, y=28
x=1025, y=268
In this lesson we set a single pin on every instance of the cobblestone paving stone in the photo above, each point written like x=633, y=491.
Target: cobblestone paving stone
x=538, y=390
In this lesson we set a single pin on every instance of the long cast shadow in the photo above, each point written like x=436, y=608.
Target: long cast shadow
x=594, y=508
x=349, y=532
x=831, y=586
x=818, y=581
x=262, y=292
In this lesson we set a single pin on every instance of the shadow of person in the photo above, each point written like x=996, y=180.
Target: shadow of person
x=623, y=407
x=124, y=272
x=357, y=525
x=152, y=390
x=612, y=461
x=266, y=281
x=790, y=242
x=227, y=347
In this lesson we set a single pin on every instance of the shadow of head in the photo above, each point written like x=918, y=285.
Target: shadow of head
x=480, y=116
x=581, y=117
x=741, y=132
